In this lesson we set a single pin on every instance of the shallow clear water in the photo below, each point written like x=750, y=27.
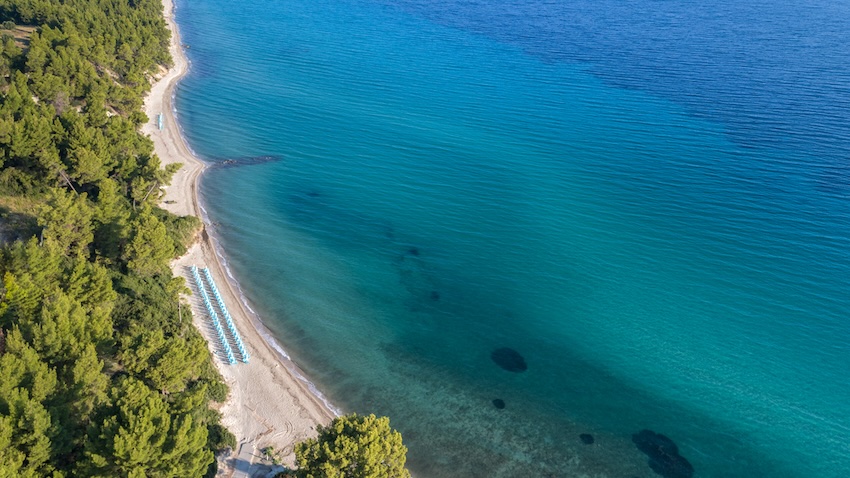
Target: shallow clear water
x=649, y=202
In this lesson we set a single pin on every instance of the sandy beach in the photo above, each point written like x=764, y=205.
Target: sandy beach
x=268, y=405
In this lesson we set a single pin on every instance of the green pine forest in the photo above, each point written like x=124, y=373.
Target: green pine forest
x=101, y=371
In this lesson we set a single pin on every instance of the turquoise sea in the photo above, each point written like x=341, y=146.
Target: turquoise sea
x=648, y=201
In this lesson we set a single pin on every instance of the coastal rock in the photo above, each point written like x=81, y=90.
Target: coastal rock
x=664, y=457
x=586, y=438
x=509, y=359
x=246, y=161
x=498, y=403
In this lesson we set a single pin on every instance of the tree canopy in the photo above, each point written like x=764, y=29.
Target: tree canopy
x=353, y=446
x=101, y=372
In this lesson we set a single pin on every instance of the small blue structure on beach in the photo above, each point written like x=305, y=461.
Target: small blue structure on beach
x=159, y=121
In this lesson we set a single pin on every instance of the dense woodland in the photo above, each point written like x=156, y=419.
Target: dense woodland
x=101, y=372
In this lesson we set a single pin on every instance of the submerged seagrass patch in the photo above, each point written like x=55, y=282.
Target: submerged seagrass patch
x=509, y=359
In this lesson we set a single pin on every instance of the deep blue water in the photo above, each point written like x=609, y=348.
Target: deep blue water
x=648, y=200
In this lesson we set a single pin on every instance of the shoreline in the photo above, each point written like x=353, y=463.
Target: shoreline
x=271, y=402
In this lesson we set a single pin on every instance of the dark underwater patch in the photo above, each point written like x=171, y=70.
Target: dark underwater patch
x=499, y=403
x=509, y=359
x=664, y=457
x=586, y=438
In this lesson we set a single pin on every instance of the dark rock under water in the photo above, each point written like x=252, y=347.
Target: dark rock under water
x=509, y=359
x=498, y=403
x=586, y=438
x=246, y=161
x=664, y=457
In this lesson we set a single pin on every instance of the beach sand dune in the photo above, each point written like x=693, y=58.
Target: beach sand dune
x=268, y=405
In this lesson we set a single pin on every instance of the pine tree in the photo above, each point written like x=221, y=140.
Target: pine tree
x=142, y=439
x=67, y=220
x=353, y=446
x=150, y=249
x=25, y=383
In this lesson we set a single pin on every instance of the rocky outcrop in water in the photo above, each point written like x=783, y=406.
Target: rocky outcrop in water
x=664, y=457
x=245, y=161
x=509, y=359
